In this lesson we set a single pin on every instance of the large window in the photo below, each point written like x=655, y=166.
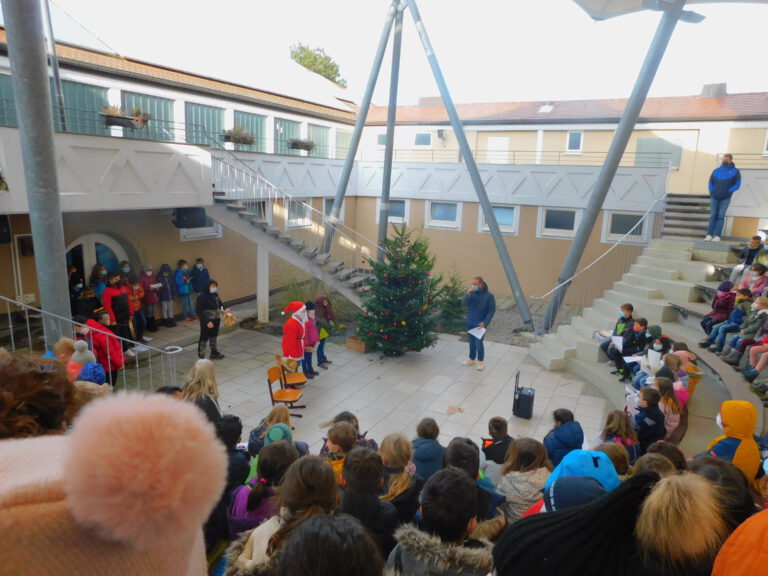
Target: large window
x=285, y=131
x=253, y=124
x=299, y=214
x=203, y=123
x=321, y=137
x=423, y=139
x=574, y=142
x=343, y=142
x=558, y=222
x=618, y=224
x=7, y=105
x=507, y=217
x=658, y=152
x=398, y=211
x=82, y=103
x=328, y=204
x=443, y=215
x=160, y=126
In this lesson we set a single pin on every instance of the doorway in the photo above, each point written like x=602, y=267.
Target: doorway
x=91, y=249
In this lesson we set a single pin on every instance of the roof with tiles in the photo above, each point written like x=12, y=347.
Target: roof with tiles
x=750, y=106
x=83, y=58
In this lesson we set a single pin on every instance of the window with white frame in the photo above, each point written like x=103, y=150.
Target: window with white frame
x=398, y=211
x=423, y=139
x=507, y=217
x=328, y=204
x=617, y=225
x=574, y=142
x=299, y=214
x=443, y=215
x=558, y=222
x=381, y=139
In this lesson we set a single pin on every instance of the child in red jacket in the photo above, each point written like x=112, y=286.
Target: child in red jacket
x=106, y=347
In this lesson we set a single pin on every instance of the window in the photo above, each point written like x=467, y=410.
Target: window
x=80, y=101
x=398, y=211
x=299, y=214
x=507, y=217
x=423, y=139
x=574, y=142
x=321, y=138
x=381, y=139
x=343, y=142
x=617, y=224
x=160, y=126
x=285, y=131
x=443, y=215
x=203, y=123
x=558, y=222
x=658, y=152
x=256, y=125
x=328, y=204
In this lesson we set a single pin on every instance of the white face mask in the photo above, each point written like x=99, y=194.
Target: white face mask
x=311, y=314
x=754, y=306
x=148, y=272
x=719, y=421
x=199, y=266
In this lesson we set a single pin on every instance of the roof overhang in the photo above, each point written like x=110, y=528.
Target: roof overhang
x=602, y=9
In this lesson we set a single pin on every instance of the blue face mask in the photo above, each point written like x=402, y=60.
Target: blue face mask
x=657, y=347
x=126, y=270
x=214, y=290
x=648, y=335
x=622, y=314
x=475, y=288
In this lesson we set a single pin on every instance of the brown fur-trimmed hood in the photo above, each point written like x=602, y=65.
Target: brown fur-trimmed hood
x=236, y=549
x=425, y=554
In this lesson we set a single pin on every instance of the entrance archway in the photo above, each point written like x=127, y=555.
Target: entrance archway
x=87, y=250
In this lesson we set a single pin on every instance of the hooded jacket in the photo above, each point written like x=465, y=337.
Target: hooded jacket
x=563, y=439
x=165, y=277
x=420, y=554
x=108, y=350
x=745, y=553
x=150, y=294
x=724, y=181
x=752, y=322
x=755, y=282
x=738, y=445
x=208, y=306
x=378, y=517
x=740, y=310
x=590, y=463
x=427, y=456
x=522, y=490
x=722, y=305
x=199, y=278
x=481, y=306
x=649, y=424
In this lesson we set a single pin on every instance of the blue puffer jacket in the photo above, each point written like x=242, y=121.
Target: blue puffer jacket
x=427, y=456
x=725, y=180
x=563, y=439
x=481, y=306
x=166, y=277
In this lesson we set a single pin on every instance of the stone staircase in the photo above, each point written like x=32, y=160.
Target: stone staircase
x=686, y=216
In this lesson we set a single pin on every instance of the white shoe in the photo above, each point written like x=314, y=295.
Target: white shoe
x=716, y=239
x=130, y=353
x=708, y=238
x=146, y=339
x=468, y=363
x=480, y=366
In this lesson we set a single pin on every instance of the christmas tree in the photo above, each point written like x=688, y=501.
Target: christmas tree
x=398, y=308
x=452, y=313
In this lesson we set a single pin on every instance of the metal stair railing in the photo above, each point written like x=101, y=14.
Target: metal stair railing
x=21, y=331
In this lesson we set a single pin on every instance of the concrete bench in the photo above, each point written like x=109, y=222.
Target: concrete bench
x=697, y=310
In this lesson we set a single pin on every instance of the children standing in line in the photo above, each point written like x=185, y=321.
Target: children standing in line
x=166, y=295
x=310, y=339
x=183, y=281
x=115, y=301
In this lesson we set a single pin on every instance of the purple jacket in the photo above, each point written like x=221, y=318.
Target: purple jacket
x=240, y=519
x=311, y=336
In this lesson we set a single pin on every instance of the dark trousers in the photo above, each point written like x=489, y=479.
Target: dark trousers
x=476, y=348
x=208, y=335
x=321, y=351
x=306, y=363
x=717, y=210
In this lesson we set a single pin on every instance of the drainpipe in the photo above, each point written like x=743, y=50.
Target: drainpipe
x=26, y=49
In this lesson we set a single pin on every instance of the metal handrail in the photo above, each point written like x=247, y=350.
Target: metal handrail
x=167, y=354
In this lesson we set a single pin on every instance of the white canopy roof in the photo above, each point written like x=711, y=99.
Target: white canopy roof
x=602, y=9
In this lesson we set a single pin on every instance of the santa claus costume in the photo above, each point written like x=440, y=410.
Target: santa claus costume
x=293, y=331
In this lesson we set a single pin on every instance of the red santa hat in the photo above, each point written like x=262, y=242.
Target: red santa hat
x=294, y=307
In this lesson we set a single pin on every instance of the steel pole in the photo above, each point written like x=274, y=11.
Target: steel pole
x=386, y=179
x=365, y=105
x=474, y=173
x=26, y=49
x=619, y=144
x=55, y=67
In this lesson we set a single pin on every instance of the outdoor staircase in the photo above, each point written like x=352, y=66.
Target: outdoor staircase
x=686, y=216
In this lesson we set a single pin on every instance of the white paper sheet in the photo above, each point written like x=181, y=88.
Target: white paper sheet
x=478, y=332
x=618, y=341
x=631, y=359
x=654, y=358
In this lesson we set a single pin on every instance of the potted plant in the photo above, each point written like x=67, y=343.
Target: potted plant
x=140, y=118
x=238, y=135
x=298, y=144
x=116, y=116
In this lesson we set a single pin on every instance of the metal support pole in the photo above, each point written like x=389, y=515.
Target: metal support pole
x=386, y=179
x=26, y=48
x=55, y=67
x=619, y=144
x=474, y=173
x=365, y=105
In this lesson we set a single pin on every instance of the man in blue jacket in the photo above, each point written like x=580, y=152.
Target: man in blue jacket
x=481, y=306
x=723, y=182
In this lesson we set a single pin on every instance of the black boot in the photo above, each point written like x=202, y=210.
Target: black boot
x=215, y=354
x=201, y=346
x=151, y=324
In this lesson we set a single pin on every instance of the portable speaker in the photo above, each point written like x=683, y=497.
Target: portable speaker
x=189, y=217
x=522, y=406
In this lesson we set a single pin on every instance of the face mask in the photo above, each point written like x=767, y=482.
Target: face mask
x=311, y=314
x=657, y=347
x=754, y=306
x=719, y=421
x=475, y=288
x=136, y=287
x=622, y=314
x=185, y=267
x=199, y=266
x=102, y=272
x=78, y=286
x=214, y=290
x=636, y=328
x=148, y=272
x=636, y=399
x=126, y=270
x=648, y=335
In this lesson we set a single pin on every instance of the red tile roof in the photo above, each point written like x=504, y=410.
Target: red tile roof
x=750, y=106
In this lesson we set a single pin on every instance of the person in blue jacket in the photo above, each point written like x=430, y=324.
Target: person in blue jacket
x=200, y=276
x=565, y=437
x=183, y=281
x=481, y=306
x=723, y=182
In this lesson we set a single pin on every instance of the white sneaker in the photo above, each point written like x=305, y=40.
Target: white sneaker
x=708, y=238
x=468, y=363
x=481, y=366
x=130, y=353
x=146, y=339
x=716, y=239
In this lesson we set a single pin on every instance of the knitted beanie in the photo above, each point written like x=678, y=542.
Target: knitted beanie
x=278, y=432
x=82, y=355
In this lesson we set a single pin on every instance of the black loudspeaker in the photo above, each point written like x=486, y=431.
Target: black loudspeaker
x=522, y=406
x=5, y=230
x=189, y=217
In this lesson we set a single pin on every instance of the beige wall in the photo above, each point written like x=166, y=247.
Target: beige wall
x=19, y=226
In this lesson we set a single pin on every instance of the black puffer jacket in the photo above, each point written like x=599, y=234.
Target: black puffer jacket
x=379, y=517
x=208, y=306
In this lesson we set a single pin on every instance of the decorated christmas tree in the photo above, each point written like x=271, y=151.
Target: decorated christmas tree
x=452, y=313
x=398, y=308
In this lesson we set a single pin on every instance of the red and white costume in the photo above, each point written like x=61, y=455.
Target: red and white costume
x=294, y=330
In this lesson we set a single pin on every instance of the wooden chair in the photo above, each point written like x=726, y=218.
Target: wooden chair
x=293, y=379
x=284, y=396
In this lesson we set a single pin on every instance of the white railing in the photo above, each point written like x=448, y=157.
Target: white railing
x=21, y=331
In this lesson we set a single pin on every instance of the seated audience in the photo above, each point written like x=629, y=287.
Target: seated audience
x=464, y=454
x=567, y=435
x=495, y=448
x=747, y=255
x=671, y=452
x=524, y=474
x=401, y=483
x=722, y=305
x=341, y=439
x=618, y=456
x=669, y=405
x=427, y=451
x=756, y=322
x=352, y=419
x=622, y=329
x=362, y=476
x=279, y=414
x=618, y=429
x=742, y=306
x=738, y=419
x=649, y=420
x=200, y=388
x=755, y=279
x=655, y=462
x=448, y=508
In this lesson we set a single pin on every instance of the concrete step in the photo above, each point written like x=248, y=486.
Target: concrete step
x=692, y=271
x=598, y=319
x=285, y=237
x=544, y=356
x=234, y=205
x=686, y=232
x=334, y=266
x=358, y=280
x=297, y=244
x=272, y=231
x=558, y=346
x=673, y=290
x=665, y=254
x=584, y=327
x=345, y=273
x=636, y=291
x=309, y=251
x=685, y=220
x=598, y=374
x=656, y=311
x=322, y=257
x=654, y=272
x=587, y=348
x=688, y=199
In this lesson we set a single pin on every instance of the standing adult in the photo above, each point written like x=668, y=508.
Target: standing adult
x=723, y=182
x=481, y=306
x=294, y=331
x=209, y=307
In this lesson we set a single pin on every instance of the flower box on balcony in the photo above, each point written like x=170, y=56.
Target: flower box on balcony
x=114, y=116
x=295, y=144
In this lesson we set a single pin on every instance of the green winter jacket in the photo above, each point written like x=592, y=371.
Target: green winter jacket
x=752, y=323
